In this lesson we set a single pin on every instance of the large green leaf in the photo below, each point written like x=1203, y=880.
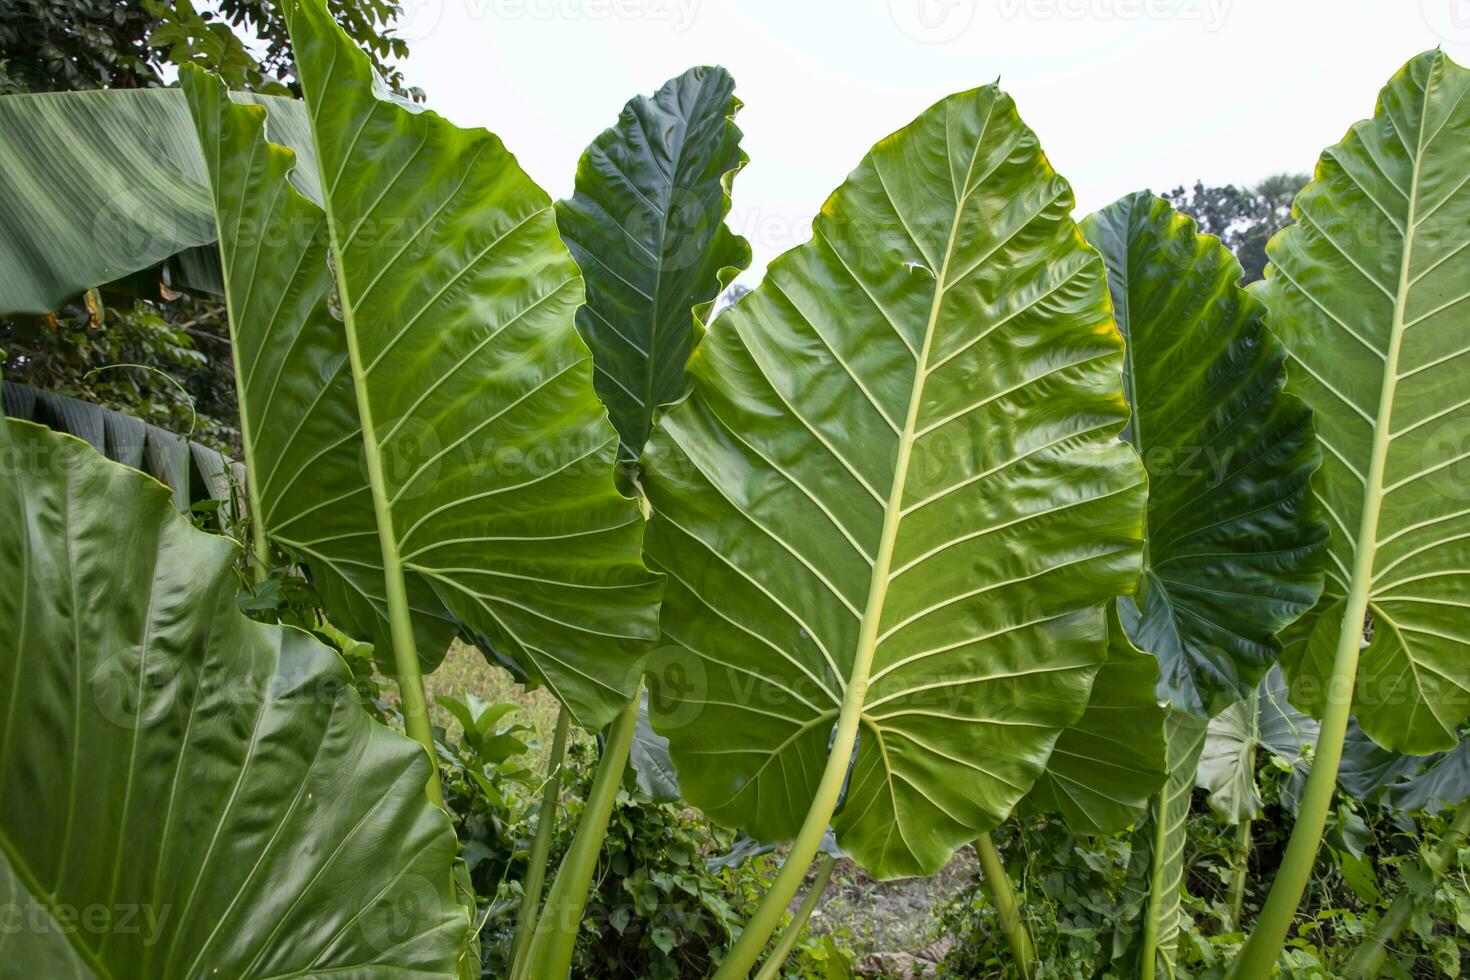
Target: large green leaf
x=1155, y=880
x=1105, y=768
x=647, y=227
x=898, y=475
x=298, y=410
x=1367, y=289
x=191, y=470
x=477, y=461
x=99, y=185
x=184, y=792
x=1265, y=720
x=1234, y=552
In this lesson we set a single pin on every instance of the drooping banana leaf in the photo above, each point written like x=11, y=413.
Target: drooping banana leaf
x=1105, y=768
x=1266, y=720
x=1367, y=290
x=99, y=185
x=1155, y=880
x=1234, y=551
x=420, y=408
x=647, y=227
x=208, y=782
x=894, y=505
x=192, y=471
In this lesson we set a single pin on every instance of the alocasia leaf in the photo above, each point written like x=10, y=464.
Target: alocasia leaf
x=1367, y=290
x=647, y=227
x=209, y=785
x=1265, y=720
x=480, y=471
x=895, y=504
x=1104, y=769
x=1234, y=551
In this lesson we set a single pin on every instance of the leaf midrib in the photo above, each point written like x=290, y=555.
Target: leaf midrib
x=1360, y=586
x=893, y=513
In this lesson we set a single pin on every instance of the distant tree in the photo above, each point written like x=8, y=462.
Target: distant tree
x=1244, y=218
x=60, y=45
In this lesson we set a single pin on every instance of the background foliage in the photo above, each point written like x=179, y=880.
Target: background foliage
x=176, y=345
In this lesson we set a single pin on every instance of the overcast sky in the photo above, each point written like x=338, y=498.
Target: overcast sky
x=1124, y=94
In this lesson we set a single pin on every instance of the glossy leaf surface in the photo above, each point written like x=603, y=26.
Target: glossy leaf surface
x=1104, y=768
x=211, y=778
x=1367, y=289
x=1234, y=551
x=480, y=458
x=899, y=463
x=647, y=227
x=99, y=185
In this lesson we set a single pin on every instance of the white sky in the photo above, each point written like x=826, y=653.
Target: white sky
x=1124, y=94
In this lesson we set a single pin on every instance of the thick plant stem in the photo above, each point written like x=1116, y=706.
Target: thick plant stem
x=552, y=945
x=784, y=945
x=1149, y=956
x=1260, y=951
x=767, y=916
x=400, y=625
x=1368, y=961
x=747, y=949
x=1266, y=939
x=260, y=552
x=541, y=845
x=1006, y=906
x=1239, y=875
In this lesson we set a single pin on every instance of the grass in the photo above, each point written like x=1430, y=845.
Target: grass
x=465, y=669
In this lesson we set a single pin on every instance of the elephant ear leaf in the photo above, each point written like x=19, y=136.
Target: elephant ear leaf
x=192, y=471
x=1367, y=290
x=165, y=757
x=1266, y=720
x=1234, y=548
x=480, y=487
x=298, y=411
x=1104, y=769
x=896, y=497
x=647, y=227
